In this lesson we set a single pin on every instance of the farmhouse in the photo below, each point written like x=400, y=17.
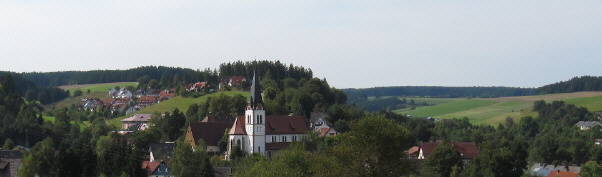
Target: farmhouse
x=467, y=150
x=256, y=132
x=586, y=125
x=138, y=120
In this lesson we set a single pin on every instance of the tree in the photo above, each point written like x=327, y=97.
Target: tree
x=591, y=169
x=186, y=162
x=8, y=144
x=77, y=93
x=371, y=148
x=442, y=160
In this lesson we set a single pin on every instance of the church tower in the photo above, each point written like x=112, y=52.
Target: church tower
x=255, y=120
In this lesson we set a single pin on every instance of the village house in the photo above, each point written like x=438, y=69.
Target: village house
x=145, y=101
x=10, y=162
x=91, y=104
x=197, y=87
x=167, y=94
x=540, y=169
x=467, y=150
x=586, y=125
x=161, y=151
x=232, y=81
x=319, y=124
x=256, y=132
x=122, y=93
x=558, y=173
x=139, y=121
x=118, y=104
x=156, y=169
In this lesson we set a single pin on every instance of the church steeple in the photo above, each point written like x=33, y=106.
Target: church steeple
x=256, y=101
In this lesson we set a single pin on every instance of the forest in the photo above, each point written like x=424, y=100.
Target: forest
x=439, y=92
x=576, y=84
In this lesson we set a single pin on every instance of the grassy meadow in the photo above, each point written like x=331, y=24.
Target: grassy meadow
x=98, y=88
x=495, y=110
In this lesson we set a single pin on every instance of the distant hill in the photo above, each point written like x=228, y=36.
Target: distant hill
x=439, y=92
x=576, y=84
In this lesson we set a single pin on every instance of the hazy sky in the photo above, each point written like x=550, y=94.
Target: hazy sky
x=351, y=43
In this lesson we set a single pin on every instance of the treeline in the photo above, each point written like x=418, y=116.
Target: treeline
x=439, y=92
x=30, y=91
x=275, y=69
x=576, y=84
x=166, y=75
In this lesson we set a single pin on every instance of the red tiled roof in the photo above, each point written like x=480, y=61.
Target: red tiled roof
x=557, y=173
x=277, y=146
x=147, y=99
x=238, y=128
x=413, y=150
x=468, y=150
x=285, y=125
x=210, y=132
x=237, y=80
x=324, y=131
x=150, y=167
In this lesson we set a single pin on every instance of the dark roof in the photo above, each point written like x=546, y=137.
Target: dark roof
x=285, y=125
x=161, y=149
x=11, y=154
x=313, y=116
x=468, y=150
x=255, y=98
x=3, y=165
x=210, y=132
x=221, y=118
x=277, y=146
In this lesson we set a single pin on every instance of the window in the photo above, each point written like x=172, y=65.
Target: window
x=294, y=138
x=283, y=138
x=273, y=138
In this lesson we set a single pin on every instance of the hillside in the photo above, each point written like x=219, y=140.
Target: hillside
x=495, y=110
x=97, y=88
x=178, y=102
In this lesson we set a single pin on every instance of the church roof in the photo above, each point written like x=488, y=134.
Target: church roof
x=210, y=132
x=275, y=124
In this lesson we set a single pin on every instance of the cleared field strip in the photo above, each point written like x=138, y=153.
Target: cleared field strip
x=448, y=108
x=104, y=87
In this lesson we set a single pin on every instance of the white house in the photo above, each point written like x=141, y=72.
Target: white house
x=256, y=132
x=586, y=125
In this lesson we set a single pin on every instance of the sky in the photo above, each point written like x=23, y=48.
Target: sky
x=353, y=44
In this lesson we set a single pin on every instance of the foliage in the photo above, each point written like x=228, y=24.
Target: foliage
x=188, y=162
x=576, y=84
x=591, y=169
x=8, y=144
x=442, y=160
x=439, y=92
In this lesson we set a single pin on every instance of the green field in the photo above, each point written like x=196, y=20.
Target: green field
x=178, y=102
x=98, y=88
x=495, y=110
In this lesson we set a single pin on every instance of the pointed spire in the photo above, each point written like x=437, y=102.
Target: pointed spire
x=255, y=98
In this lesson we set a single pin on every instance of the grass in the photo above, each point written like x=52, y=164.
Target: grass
x=178, y=102
x=593, y=104
x=98, y=88
x=448, y=108
x=495, y=110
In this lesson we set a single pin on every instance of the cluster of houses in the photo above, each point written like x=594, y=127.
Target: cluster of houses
x=232, y=81
x=123, y=100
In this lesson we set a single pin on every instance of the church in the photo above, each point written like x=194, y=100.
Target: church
x=256, y=132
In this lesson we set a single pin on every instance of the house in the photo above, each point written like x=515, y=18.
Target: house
x=156, y=169
x=161, y=151
x=140, y=120
x=167, y=94
x=256, y=132
x=92, y=104
x=557, y=173
x=319, y=124
x=540, y=169
x=118, y=104
x=145, y=101
x=586, y=125
x=209, y=132
x=10, y=162
x=197, y=87
x=232, y=81
x=413, y=152
x=467, y=150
